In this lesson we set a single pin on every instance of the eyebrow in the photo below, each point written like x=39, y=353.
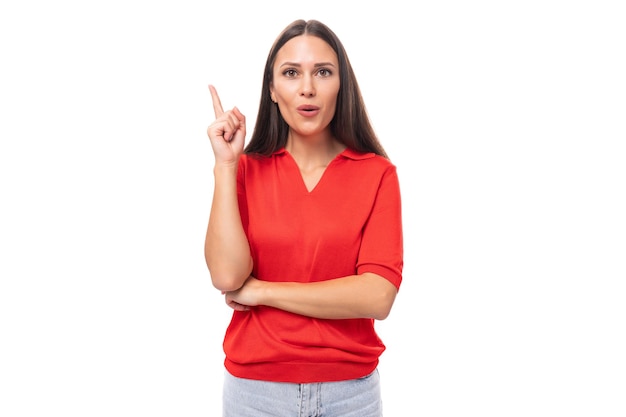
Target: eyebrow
x=319, y=64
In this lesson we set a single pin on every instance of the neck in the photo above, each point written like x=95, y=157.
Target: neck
x=313, y=153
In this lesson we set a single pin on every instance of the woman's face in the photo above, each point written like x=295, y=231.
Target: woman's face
x=305, y=84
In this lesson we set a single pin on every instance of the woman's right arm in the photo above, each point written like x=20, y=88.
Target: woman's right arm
x=226, y=247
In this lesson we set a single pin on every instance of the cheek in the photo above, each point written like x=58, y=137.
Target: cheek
x=333, y=93
x=283, y=95
x=331, y=100
x=284, y=88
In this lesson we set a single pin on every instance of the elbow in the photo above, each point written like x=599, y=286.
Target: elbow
x=382, y=311
x=383, y=302
x=227, y=282
x=226, y=286
x=379, y=296
x=228, y=279
x=228, y=276
x=381, y=315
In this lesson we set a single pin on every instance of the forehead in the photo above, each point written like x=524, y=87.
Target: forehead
x=305, y=49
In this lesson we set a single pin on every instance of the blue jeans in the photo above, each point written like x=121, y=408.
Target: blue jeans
x=353, y=398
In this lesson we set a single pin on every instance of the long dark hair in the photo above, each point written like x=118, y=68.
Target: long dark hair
x=350, y=124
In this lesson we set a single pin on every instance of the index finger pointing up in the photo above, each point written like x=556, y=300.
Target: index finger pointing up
x=217, y=104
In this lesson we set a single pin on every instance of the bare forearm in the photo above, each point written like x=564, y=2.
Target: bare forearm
x=357, y=296
x=226, y=249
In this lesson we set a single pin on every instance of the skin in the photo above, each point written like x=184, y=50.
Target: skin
x=306, y=73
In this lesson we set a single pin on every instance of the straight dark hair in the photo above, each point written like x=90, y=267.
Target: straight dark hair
x=350, y=124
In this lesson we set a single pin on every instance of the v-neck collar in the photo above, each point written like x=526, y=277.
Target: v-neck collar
x=346, y=153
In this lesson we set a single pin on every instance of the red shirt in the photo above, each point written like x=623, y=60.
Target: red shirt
x=350, y=223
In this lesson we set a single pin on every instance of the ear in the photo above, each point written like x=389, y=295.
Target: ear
x=272, y=96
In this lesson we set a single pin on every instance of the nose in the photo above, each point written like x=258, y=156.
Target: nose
x=307, y=89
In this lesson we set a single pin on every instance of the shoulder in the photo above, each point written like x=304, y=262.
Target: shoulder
x=257, y=160
x=254, y=158
x=368, y=159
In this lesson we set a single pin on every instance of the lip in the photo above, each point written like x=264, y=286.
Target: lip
x=308, y=110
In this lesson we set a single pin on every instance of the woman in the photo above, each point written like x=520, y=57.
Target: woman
x=304, y=237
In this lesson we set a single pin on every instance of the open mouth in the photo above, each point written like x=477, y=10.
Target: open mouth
x=308, y=108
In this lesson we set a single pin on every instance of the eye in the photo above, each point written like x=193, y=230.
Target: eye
x=325, y=72
x=290, y=73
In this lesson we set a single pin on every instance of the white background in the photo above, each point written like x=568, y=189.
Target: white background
x=506, y=121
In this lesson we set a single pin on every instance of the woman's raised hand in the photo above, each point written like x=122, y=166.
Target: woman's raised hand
x=227, y=132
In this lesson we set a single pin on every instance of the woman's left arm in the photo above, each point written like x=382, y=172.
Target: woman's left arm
x=356, y=296
x=370, y=293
